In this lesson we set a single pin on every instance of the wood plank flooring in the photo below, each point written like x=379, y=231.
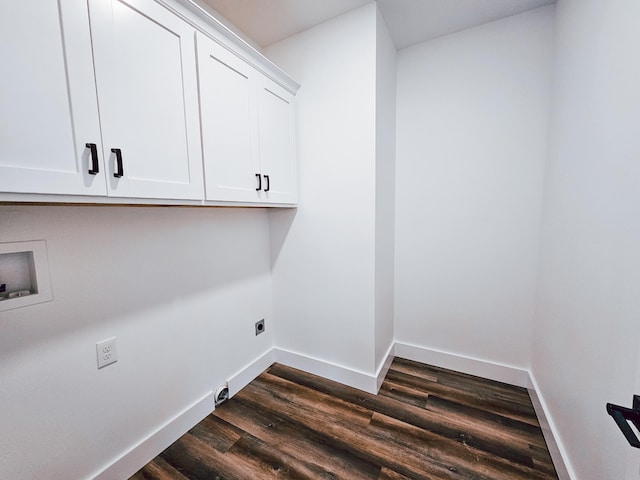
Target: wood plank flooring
x=426, y=423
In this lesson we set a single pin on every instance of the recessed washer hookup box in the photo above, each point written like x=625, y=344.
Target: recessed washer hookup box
x=24, y=274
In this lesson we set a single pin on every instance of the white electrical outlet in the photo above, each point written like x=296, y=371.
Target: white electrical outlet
x=106, y=352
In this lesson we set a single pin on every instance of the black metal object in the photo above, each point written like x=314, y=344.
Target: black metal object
x=95, y=167
x=3, y=287
x=266, y=179
x=259, y=177
x=119, y=167
x=623, y=416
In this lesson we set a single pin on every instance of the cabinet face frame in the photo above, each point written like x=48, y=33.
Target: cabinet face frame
x=51, y=112
x=147, y=92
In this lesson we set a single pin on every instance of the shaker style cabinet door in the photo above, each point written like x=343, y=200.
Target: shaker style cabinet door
x=247, y=130
x=147, y=94
x=277, y=143
x=48, y=107
x=229, y=124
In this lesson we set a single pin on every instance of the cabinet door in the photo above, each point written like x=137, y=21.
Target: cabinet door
x=48, y=107
x=229, y=124
x=277, y=142
x=147, y=93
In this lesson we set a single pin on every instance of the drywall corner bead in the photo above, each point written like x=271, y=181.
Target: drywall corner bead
x=24, y=274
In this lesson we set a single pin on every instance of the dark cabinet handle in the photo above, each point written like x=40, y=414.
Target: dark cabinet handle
x=95, y=168
x=259, y=187
x=266, y=179
x=119, y=168
x=622, y=416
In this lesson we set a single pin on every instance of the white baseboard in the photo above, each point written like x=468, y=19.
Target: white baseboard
x=501, y=373
x=348, y=376
x=338, y=373
x=385, y=365
x=242, y=378
x=549, y=430
x=472, y=366
x=132, y=460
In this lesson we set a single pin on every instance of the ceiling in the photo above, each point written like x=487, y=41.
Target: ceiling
x=410, y=21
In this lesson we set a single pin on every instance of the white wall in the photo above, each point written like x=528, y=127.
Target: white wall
x=587, y=333
x=180, y=288
x=472, y=129
x=385, y=188
x=323, y=260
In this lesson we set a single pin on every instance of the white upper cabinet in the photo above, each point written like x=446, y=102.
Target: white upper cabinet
x=147, y=92
x=52, y=139
x=110, y=101
x=247, y=130
x=48, y=107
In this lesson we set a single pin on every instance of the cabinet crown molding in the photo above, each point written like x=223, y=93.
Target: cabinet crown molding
x=200, y=16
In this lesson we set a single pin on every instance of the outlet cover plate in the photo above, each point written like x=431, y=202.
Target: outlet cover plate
x=106, y=352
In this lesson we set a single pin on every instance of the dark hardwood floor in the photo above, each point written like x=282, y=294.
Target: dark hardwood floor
x=426, y=423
